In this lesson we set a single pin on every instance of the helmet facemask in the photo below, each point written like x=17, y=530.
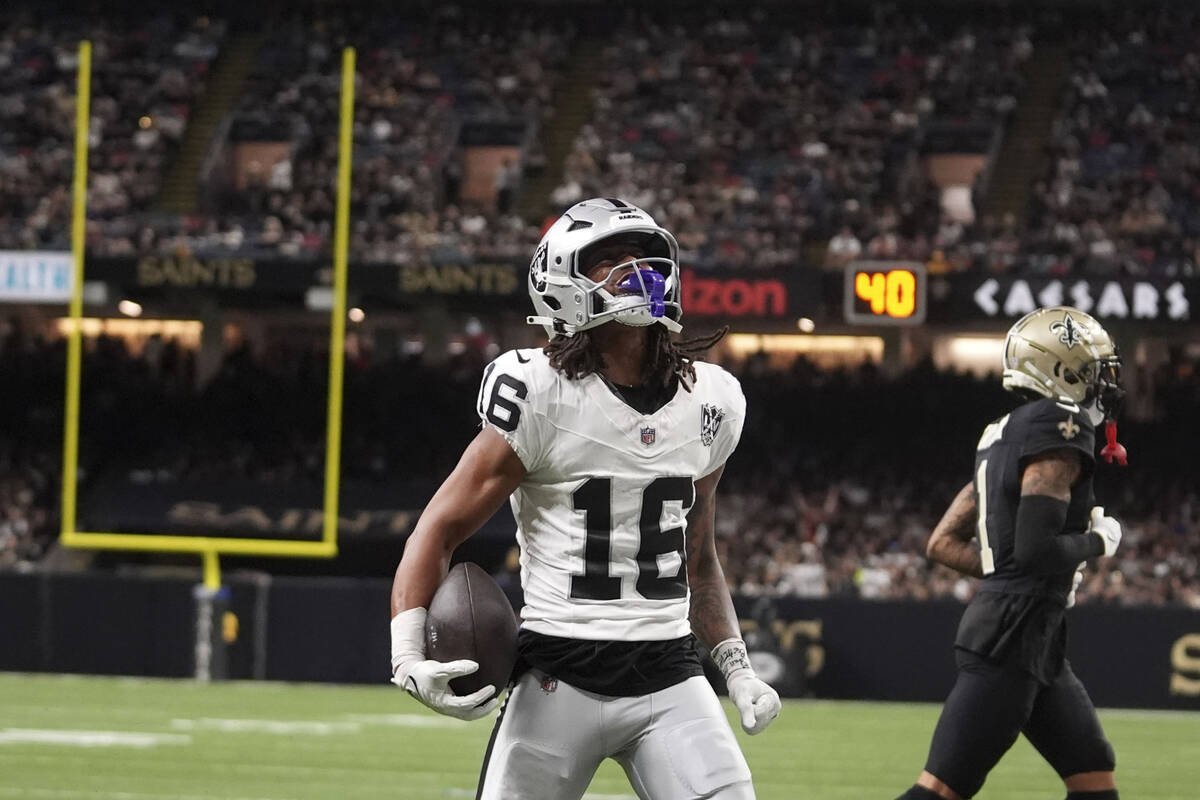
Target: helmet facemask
x=640, y=298
x=1106, y=394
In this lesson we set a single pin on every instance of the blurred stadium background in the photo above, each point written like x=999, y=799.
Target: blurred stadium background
x=867, y=193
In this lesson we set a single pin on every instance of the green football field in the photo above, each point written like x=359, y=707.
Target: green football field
x=76, y=738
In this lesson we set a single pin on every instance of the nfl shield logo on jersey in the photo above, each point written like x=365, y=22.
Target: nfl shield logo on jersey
x=710, y=421
x=647, y=436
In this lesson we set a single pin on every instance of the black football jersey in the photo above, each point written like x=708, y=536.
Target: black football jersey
x=1018, y=615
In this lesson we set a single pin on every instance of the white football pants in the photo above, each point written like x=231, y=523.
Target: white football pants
x=675, y=744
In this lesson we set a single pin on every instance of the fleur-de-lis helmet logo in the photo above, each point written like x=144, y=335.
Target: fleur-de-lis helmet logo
x=1069, y=331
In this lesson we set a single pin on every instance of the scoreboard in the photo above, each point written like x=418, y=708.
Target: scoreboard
x=885, y=293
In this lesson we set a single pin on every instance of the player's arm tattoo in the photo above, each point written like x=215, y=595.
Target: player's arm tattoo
x=953, y=539
x=712, y=614
x=1052, y=474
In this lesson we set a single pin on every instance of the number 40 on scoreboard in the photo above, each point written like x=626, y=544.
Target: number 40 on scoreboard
x=885, y=293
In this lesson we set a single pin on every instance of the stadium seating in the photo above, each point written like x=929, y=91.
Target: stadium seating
x=147, y=72
x=765, y=139
x=421, y=81
x=1119, y=197
x=759, y=135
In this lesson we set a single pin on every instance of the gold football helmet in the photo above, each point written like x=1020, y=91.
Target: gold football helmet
x=1063, y=352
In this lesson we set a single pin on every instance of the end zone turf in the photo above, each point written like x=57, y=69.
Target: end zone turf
x=76, y=738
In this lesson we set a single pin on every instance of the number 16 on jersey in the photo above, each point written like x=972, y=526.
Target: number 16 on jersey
x=594, y=499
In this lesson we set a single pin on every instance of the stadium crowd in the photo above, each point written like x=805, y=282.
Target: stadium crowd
x=753, y=138
x=145, y=76
x=839, y=478
x=422, y=81
x=764, y=139
x=1120, y=196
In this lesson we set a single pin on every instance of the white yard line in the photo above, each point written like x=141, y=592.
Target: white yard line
x=69, y=738
x=407, y=720
x=1150, y=713
x=101, y=794
x=281, y=727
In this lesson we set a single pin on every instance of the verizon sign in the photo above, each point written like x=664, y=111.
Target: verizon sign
x=1104, y=299
x=733, y=297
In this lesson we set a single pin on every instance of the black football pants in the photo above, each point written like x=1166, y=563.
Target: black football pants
x=991, y=704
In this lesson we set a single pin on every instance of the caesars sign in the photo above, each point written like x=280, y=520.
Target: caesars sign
x=1100, y=298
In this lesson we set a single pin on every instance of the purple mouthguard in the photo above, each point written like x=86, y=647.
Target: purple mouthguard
x=649, y=284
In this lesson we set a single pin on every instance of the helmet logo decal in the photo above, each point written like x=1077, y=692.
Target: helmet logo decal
x=710, y=423
x=1069, y=332
x=1068, y=428
x=538, y=268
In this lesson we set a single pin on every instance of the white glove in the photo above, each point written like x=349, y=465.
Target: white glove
x=1078, y=579
x=429, y=681
x=755, y=700
x=1107, y=528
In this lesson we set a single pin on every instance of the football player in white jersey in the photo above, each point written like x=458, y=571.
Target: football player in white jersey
x=609, y=443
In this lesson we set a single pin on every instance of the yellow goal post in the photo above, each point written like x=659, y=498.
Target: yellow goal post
x=210, y=547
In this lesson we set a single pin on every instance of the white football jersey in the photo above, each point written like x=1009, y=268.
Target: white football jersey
x=601, y=514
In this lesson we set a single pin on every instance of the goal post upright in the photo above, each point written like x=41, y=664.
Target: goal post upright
x=337, y=326
x=70, y=465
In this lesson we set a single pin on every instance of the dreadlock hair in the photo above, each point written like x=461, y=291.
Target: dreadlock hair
x=665, y=360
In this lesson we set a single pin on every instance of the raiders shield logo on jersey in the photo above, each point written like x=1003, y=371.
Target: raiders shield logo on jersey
x=710, y=422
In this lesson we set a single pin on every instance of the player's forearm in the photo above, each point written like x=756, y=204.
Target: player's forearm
x=957, y=555
x=424, y=565
x=426, y=558
x=488, y=472
x=711, y=614
x=952, y=541
x=1040, y=547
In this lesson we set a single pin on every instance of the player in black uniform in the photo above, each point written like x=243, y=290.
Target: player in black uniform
x=1025, y=524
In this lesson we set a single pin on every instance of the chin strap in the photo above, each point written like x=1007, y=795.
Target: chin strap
x=1113, y=449
x=568, y=330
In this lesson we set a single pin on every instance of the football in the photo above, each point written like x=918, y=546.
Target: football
x=469, y=617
